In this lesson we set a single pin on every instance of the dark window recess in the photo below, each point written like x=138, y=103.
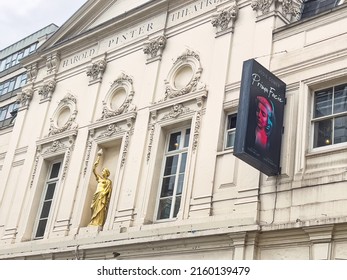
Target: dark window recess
x=314, y=7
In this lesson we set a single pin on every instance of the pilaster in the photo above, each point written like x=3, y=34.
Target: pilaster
x=321, y=241
x=201, y=200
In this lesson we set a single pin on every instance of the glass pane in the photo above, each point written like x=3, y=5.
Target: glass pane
x=174, y=142
x=41, y=228
x=322, y=133
x=168, y=186
x=55, y=170
x=230, y=139
x=231, y=121
x=2, y=114
x=186, y=138
x=340, y=130
x=164, y=208
x=340, y=99
x=45, y=209
x=183, y=162
x=9, y=110
x=18, y=80
x=50, y=191
x=177, y=206
x=171, y=165
x=11, y=86
x=323, y=103
x=180, y=184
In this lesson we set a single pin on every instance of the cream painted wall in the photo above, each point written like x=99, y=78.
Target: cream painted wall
x=229, y=209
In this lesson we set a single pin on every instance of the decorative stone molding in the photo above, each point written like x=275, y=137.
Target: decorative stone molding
x=150, y=144
x=64, y=116
x=184, y=76
x=119, y=98
x=154, y=48
x=110, y=130
x=67, y=159
x=261, y=5
x=224, y=19
x=24, y=98
x=96, y=71
x=33, y=174
x=125, y=148
x=196, y=131
x=89, y=149
x=51, y=147
x=56, y=146
x=290, y=9
x=52, y=63
x=32, y=71
x=176, y=110
x=47, y=90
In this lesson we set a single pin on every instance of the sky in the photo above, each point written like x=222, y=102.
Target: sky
x=21, y=18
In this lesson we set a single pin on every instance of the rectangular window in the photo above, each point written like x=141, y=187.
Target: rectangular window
x=5, y=114
x=230, y=131
x=47, y=199
x=330, y=116
x=173, y=174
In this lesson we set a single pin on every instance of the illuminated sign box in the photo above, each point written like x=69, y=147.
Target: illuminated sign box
x=259, y=123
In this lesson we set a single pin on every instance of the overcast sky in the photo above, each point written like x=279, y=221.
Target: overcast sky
x=20, y=18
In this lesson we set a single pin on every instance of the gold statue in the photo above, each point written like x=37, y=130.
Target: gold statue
x=101, y=197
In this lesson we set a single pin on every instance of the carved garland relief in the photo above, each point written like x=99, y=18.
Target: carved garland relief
x=184, y=76
x=119, y=98
x=182, y=83
x=224, y=19
x=64, y=116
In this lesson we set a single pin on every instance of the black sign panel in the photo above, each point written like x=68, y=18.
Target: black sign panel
x=260, y=118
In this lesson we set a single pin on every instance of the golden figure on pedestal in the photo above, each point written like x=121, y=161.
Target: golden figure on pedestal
x=102, y=195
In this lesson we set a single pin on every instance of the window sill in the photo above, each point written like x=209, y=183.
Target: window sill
x=225, y=152
x=327, y=149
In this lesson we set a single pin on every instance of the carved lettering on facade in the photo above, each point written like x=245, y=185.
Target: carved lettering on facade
x=78, y=58
x=193, y=9
x=130, y=35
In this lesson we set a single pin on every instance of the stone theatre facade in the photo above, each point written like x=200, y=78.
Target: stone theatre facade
x=151, y=88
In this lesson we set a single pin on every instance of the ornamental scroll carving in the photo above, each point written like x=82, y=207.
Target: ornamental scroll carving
x=176, y=110
x=47, y=90
x=291, y=9
x=52, y=63
x=24, y=98
x=154, y=48
x=32, y=71
x=96, y=70
x=224, y=19
x=64, y=116
x=119, y=99
x=184, y=76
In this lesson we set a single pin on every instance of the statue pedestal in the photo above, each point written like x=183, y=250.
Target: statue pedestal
x=89, y=231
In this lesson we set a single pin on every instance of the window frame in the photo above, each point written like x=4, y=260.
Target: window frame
x=332, y=116
x=5, y=111
x=48, y=181
x=166, y=154
x=226, y=131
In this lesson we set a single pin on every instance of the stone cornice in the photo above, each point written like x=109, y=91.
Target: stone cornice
x=321, y=19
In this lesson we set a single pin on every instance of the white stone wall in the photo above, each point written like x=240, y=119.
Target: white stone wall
x=229, y=210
